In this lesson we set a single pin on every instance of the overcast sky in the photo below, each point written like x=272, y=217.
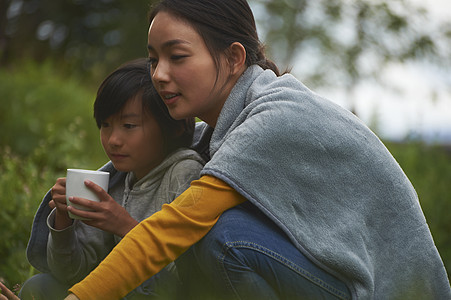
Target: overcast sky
x=408, y=108
x=410, y=111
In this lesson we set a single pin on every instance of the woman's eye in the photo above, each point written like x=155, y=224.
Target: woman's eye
x=104, y=125
x=129, y=126
x=178, y=57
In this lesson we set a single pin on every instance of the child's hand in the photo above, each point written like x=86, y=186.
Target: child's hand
x=107, y=214
x=6, y=294
x=58, y=191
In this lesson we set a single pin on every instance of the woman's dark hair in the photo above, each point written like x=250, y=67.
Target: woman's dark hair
x=133, y=79
x=220, y=23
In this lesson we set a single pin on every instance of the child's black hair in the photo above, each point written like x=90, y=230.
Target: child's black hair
x=133, y=79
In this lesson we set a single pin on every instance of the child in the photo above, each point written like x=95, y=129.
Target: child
x=150, y=165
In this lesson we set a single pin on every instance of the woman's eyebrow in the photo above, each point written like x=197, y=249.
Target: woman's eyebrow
x=169, y=44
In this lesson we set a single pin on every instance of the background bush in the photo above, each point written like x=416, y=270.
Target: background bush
x=47, y=126
x=429, y=169
x=42, y=109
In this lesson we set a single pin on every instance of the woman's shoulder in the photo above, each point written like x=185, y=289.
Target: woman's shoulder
x=267, y=83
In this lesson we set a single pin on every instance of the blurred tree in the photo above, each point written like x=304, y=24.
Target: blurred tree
x=336, y=42
x=82, y=35
x=342, y=43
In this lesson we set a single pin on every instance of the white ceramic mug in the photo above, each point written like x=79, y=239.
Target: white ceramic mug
x=75, y=186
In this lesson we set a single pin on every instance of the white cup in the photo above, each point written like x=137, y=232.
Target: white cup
x=75, y=186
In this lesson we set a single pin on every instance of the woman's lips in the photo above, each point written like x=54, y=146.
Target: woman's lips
x=170, y=98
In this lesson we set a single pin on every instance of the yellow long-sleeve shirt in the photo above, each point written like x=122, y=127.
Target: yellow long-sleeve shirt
x=159, y=239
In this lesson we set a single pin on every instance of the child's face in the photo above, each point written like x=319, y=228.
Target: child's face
x=132, y=139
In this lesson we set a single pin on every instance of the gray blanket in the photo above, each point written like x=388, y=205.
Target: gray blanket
x=330, y=184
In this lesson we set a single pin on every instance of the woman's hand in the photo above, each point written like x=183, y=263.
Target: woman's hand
x=62, y=219
x=107, y=214
x=6, y=294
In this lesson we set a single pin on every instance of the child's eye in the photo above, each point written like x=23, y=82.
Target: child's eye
x=104, y=124
x=129, y=126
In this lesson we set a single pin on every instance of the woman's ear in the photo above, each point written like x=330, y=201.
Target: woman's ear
x=237, y=58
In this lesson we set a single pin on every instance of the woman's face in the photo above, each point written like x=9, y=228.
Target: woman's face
x=183, y=70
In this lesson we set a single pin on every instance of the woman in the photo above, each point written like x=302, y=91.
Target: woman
x=311, y=204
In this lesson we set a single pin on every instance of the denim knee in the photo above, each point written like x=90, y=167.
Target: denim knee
x=43, y=286
x=245, y=255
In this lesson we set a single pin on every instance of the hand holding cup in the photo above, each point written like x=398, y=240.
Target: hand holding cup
x=75, y=186
x=88, y=200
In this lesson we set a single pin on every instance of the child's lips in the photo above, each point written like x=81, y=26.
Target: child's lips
x=119, y=156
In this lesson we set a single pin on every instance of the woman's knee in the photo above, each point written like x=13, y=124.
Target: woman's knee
x=247, y=254
x=43, y=286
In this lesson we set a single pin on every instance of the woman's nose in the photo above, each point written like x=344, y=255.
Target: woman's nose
x=160, y=72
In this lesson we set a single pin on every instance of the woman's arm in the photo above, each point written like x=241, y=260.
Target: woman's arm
x=159, y=239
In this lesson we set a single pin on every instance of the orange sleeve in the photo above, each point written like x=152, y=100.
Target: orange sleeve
x=159, y=239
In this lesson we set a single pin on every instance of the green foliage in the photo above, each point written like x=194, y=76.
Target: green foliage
x=84, y=36
x=42, y=110
x=47, y=126
x=429, y=169
x=22, y=186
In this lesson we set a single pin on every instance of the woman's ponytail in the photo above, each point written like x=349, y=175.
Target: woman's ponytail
x=265, y=63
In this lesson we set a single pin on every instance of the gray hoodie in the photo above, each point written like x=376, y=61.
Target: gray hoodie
x=72, y=253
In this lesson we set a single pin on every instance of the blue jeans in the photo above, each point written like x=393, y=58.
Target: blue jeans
x=246, y=256
x=43, y=286
x=161, y=286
